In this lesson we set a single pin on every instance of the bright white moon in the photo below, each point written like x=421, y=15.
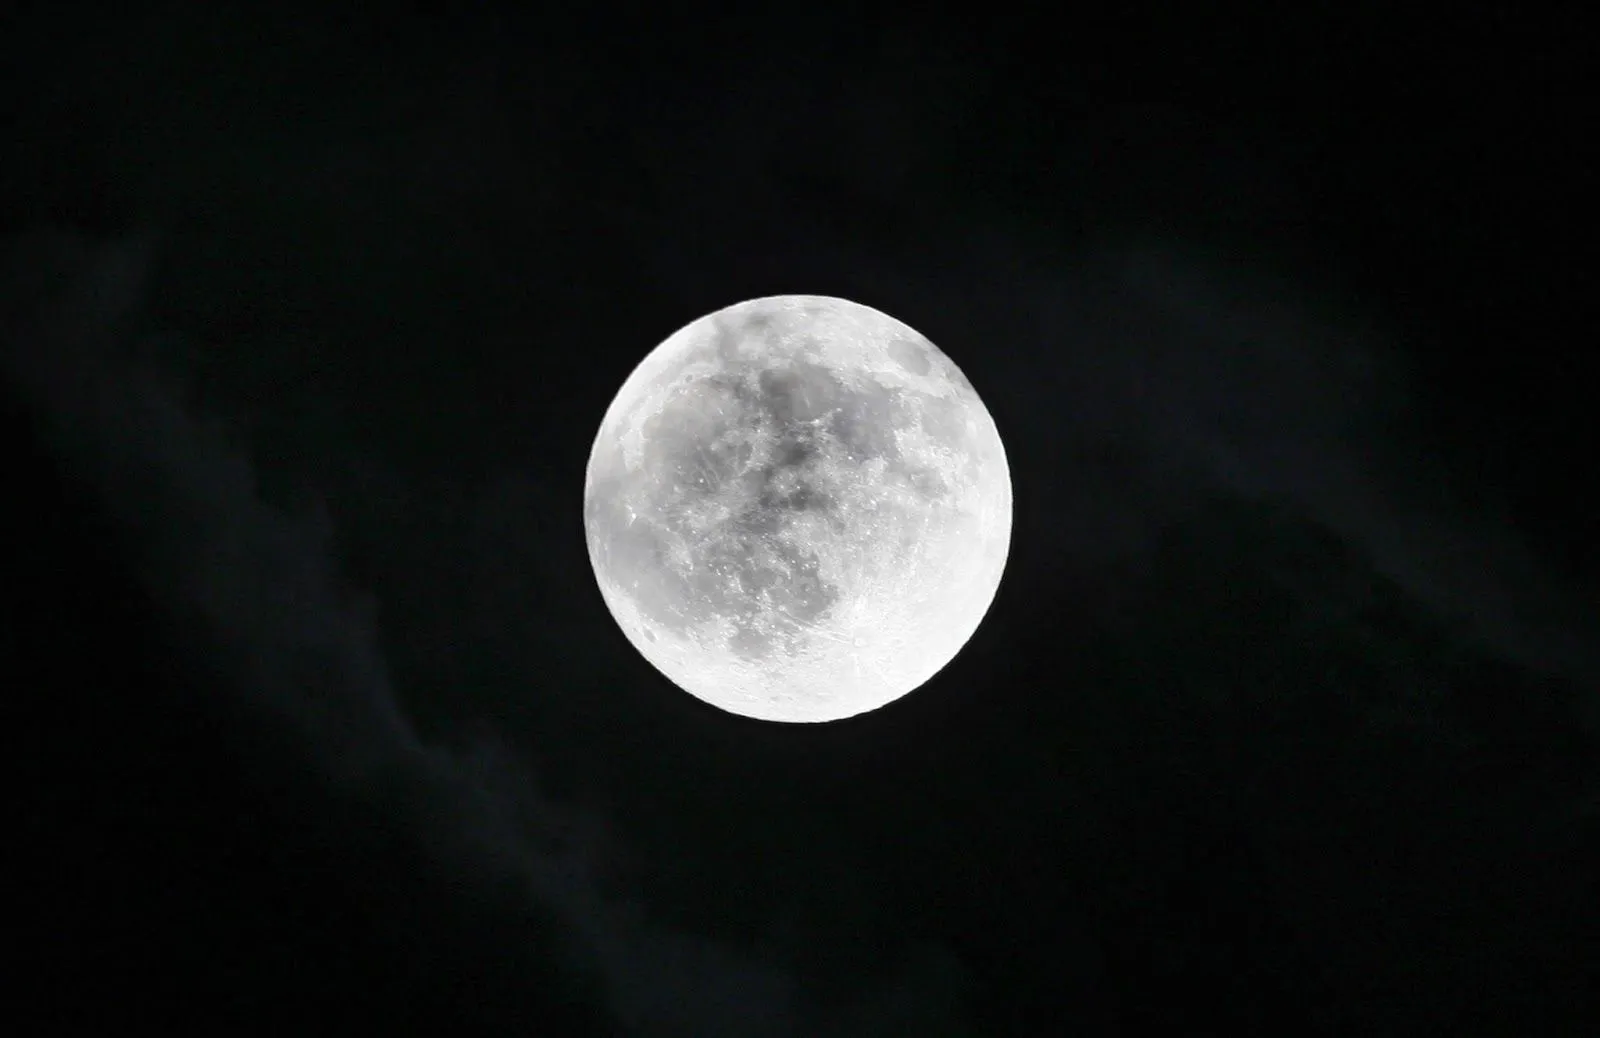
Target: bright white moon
x=797, y=508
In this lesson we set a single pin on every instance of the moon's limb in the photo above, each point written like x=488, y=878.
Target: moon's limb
x=797, y=508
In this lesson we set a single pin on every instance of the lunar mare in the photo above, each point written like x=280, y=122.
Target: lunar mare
x=797, y=508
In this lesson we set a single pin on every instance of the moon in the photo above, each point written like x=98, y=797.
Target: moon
x=797, y=508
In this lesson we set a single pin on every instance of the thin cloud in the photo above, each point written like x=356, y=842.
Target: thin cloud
x=301, y=648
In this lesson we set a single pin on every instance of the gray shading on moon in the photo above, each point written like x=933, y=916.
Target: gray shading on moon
x=797, y=508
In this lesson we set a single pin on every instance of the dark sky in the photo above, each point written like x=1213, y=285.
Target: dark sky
x=1284, y=720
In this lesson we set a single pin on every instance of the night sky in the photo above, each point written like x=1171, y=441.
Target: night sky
x=1284, y=720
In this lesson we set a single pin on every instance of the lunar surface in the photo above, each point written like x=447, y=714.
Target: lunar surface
x=797, y=508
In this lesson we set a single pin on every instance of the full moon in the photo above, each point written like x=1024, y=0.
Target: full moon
x=797, y=508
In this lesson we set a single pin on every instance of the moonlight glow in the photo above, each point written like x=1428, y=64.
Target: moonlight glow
x=797, y=508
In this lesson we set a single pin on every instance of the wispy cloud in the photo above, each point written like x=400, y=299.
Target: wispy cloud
x=1171, y=376
x=300, y=648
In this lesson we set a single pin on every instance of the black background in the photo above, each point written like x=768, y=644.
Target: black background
x=1218, y=760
